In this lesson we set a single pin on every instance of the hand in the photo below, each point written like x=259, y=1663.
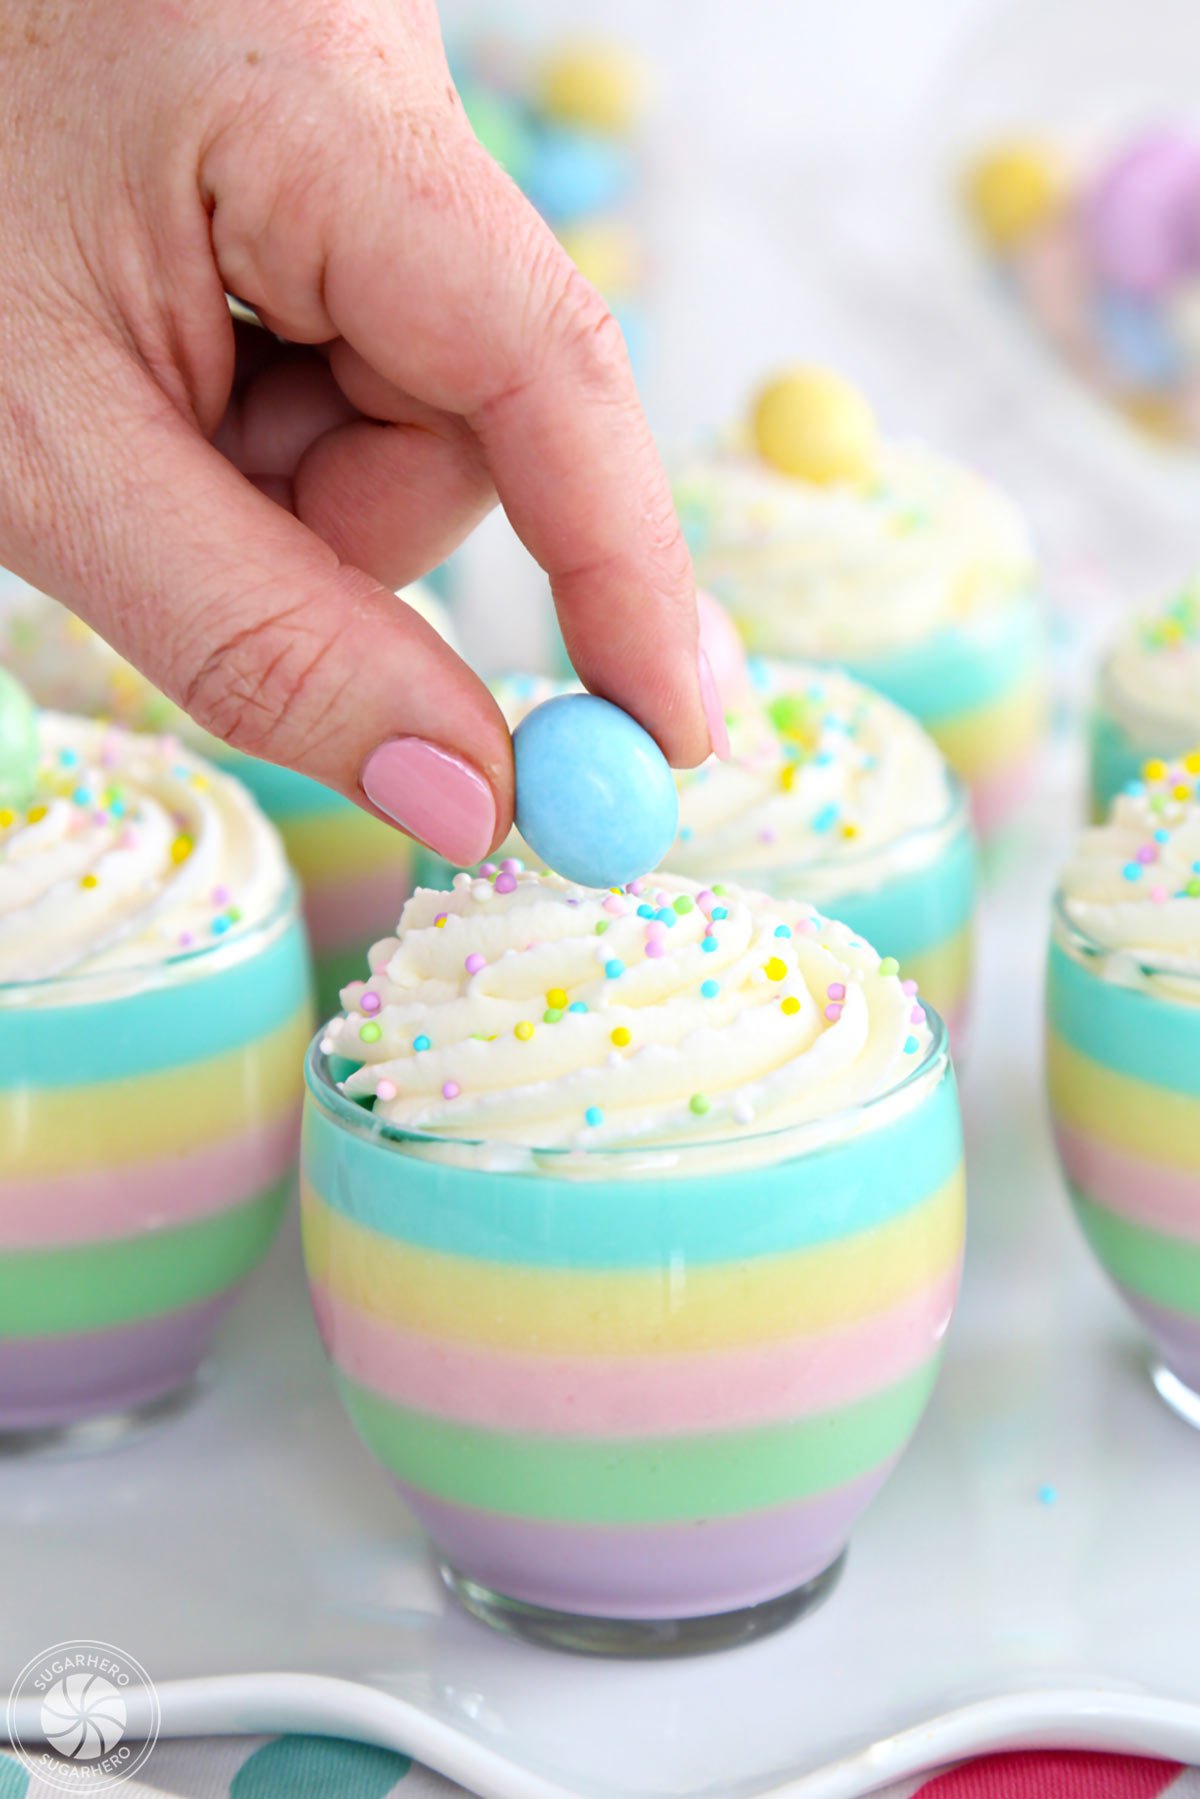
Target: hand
x=233, y=513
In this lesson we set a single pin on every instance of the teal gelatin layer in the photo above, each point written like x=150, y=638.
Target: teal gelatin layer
x=1127, y=1029
x=963, y=668
x=1115, y=760
x=916, y=911
x=280, y=792
x=190, y=1017
x=852, y=1185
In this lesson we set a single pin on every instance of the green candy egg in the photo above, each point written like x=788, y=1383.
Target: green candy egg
x=18, y=744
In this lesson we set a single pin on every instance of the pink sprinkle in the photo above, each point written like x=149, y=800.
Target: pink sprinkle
x=917, y=1015
x=487, y=868
x=706, y=899
x=1147, y=854
x=836, y=990
x=186, y=939
x=450, y=1089
x=660, y=898
x=386, y=1090
x=369, y=1003
x=908, y=986
x=833, y=1011
x=614, y=905
x=220, y=896
x=475, y=962
x=1158, y=895
x=655, y=927
x=128, y=840
x=510, y=866
x=441, y=918
x=506, y=883
x=99, y=818
x=635, y=886
x=767, y=834
x=656, y=947
x=807, y=925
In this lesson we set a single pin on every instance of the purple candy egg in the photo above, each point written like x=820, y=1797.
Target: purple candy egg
x=1142, y=216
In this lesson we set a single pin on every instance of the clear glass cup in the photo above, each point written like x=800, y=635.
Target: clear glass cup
x=638, y=1398
x=1119, y=744
x=1123, y=1071
x=148, y=1136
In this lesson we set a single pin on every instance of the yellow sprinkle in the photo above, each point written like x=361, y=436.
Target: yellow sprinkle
x=181, y=849
x=200, y=781
x=89, y=880
x=524, y=1030
x=790, y=1005
x=775, y=969
x=1154, y=770
x=787, y=776
x=556, y=999
x=621, y=1036
x=35, y=814
x=7, y=818
x=1181, y=791
x=440, y=923
x=1192, y=762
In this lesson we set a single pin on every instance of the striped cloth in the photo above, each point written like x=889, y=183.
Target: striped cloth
x=300, y=1767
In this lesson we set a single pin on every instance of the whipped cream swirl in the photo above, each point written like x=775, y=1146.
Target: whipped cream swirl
x=1151, y=681
x=133, y=851
x=1132, y=886
x=520, y=1009
x=852, y=569
x=829, y=787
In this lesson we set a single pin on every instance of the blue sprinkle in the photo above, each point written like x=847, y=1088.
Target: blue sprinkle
x=117, y=809
x=1132, y=871
x=645, y=911
x=1048, y=1495
x=710, y=989
x=1161, y=836
x=911, y=1046
x=614, y=968
x=666, y=916
x=421, y=1042
x=708, y=945
x=719, y=912
x=759, y=673
x=82, y=796
x=826, y=818
x=823, y=758
x=783, y=930
x=68, y=758
x=593, y=1115
x=219, y=927
x=577, y=1005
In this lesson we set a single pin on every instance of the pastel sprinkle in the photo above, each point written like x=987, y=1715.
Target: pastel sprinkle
x=386, y=1090
x=601, y=927
x=615, y=906
x=593, y=1116
x=506, y=883
x=790, y=1005
x=908, y=986
x=450, y=1089
x=1158, y=895
x=1132, y=871
x=220, y=896
x=719, y=912
x=577, y=1005
x=683, y=904
x=552, y=1015
x=370, y=1033
x=710, y=989
x=420, y=1043
x=645, y=911
x=783, y=930
x=776, y=969
x=911, y=1046
x=557, y=998
x=655, y=947
x=181, y=849
x=524, y=1030
x=89, y=880
x=511, y=865
x=621, y=1036
x=614, y=968
x=440, y=920
x=836, y=990
x=487, y=868
x=833, y=1011
x=708, y=945
x=889, y=966
x=475, y=962
x=699, y=1104
x=370, y=1003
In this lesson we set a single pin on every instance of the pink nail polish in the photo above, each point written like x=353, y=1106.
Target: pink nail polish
x=714, y=712
x=433, y=795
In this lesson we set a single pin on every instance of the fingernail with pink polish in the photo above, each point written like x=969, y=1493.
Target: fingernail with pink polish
x=433, y=795
x=714, y=712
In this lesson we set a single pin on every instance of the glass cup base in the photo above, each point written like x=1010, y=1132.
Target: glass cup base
x=649, y=1638
x=111, y=1430
x=1183, y=1400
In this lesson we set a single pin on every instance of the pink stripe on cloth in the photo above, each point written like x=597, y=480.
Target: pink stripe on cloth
x=1147, y=1193
x=92, y=1204
x=1053, y=1774
x=635, y=1396
x=343, y=914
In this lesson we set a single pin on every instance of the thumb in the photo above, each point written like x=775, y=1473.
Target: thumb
x=249, y=621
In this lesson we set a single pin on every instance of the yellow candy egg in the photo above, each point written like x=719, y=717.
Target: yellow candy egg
x=1014, y=189
x=596, y=85
x=811, y=424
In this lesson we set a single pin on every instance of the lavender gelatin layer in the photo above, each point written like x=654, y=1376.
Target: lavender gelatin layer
x=636, y=1288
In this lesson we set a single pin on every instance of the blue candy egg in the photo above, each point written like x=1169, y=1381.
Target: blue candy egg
x=572, y=174
x=596, y=800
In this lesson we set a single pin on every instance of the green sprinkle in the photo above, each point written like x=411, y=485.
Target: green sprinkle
x=684, y=904
x=889, y=965
x=551, y=1015
x=370, y=1033
x=699, y=1104
x=601, y=927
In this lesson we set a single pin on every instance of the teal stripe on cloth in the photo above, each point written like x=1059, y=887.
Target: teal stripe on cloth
x=615, y=1221
x=158, y=1028
x=962, y=667
x=1124, y=1028
x=296, y=1767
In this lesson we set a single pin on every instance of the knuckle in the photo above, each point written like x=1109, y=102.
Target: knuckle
x=584, y=325
x=259, y=686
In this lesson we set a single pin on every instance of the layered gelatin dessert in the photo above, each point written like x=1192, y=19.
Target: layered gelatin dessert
x=829, y=544
x=1123, y=1054
x=633, y=1221
x=1147, y=704
x=154, y=1005
x=830, y=794
x=355, y=870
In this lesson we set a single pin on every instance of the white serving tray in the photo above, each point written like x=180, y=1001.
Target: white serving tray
x=249, y=1554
